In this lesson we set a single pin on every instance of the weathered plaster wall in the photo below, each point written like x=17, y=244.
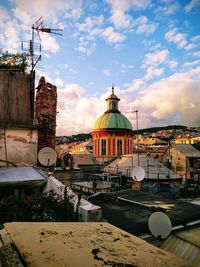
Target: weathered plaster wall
x=18, y=146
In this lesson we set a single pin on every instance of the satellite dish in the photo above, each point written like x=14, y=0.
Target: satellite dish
x=138, y=173
x=47, y=156
x=159, y=224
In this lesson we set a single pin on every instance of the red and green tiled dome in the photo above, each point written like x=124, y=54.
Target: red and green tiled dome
x=112, y=121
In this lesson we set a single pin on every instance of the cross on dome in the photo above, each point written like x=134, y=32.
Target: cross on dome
x=113, y=89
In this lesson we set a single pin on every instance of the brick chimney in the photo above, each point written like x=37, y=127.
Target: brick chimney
x=45, y=113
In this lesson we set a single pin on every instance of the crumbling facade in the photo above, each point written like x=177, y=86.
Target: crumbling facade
x=45, y=113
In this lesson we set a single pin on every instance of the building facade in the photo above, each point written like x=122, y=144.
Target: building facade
x=112, y=132
x=184, y=160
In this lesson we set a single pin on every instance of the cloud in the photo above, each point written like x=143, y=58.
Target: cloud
x=107, y=72
x=3, y=14
x=178, y=38
x=59, y=82
x=119, y=8
x=90, y=30
x=152, y=71
x=49, y=43
x=89, y=23
x=154, y=47
x=195, y=38
x=24, y=10
x=121, y=20
x=111, y=36
x=74, y=108
x=10, y=38
x=152, y=62
x=172, y=64
x=119, y=46
x=193, y=4
x=70, y=93
x=167, y=9
x=190, y=46
x=158, y=102
x=143, y=26
x=196, y=54
x=191, y=63
x=108, y=34
x=136, y=84
x=156, y=58
x=85, y=46
x=126, y=68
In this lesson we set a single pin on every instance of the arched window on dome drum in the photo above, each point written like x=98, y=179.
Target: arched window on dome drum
x=103, y=147
x=119, y=147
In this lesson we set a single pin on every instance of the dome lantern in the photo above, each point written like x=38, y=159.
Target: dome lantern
x=112, y=102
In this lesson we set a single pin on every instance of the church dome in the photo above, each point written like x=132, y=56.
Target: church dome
x=112, y=119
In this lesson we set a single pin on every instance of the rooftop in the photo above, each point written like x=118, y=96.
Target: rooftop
x=153, y=168
x=130, y=210
x=84, y=245
x=188, y=150
x=17, y=176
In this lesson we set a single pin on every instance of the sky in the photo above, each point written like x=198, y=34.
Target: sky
x=148, y=49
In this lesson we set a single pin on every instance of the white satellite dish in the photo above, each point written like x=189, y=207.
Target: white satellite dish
x=138, y=173
x=159, y=224
x=47, y=156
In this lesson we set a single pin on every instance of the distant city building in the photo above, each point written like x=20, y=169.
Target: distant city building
x=185, y=160
x=112, y=132
x=84, y=147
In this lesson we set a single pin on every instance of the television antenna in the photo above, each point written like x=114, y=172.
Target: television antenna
x=137, y=143
x=159, y=225
x=35, y=48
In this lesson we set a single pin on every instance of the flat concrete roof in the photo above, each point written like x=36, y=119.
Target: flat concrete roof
x=19, y=176
x=84, y=245
x=133, y=215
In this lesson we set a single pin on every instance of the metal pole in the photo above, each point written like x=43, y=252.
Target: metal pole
x=148, y=170
x=32, y=49
x=136, y=114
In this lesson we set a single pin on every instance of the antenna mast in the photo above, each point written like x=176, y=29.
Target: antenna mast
x=35, y=48
x=137, y=143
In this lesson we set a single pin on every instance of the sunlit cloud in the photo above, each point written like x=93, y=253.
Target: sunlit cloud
x=176, y=37
x=119, y=8
x=142, y=25
x=193, y=4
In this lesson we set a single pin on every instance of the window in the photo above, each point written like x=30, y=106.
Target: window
x=119, y=147
x=103, y=147
x=114, y=105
